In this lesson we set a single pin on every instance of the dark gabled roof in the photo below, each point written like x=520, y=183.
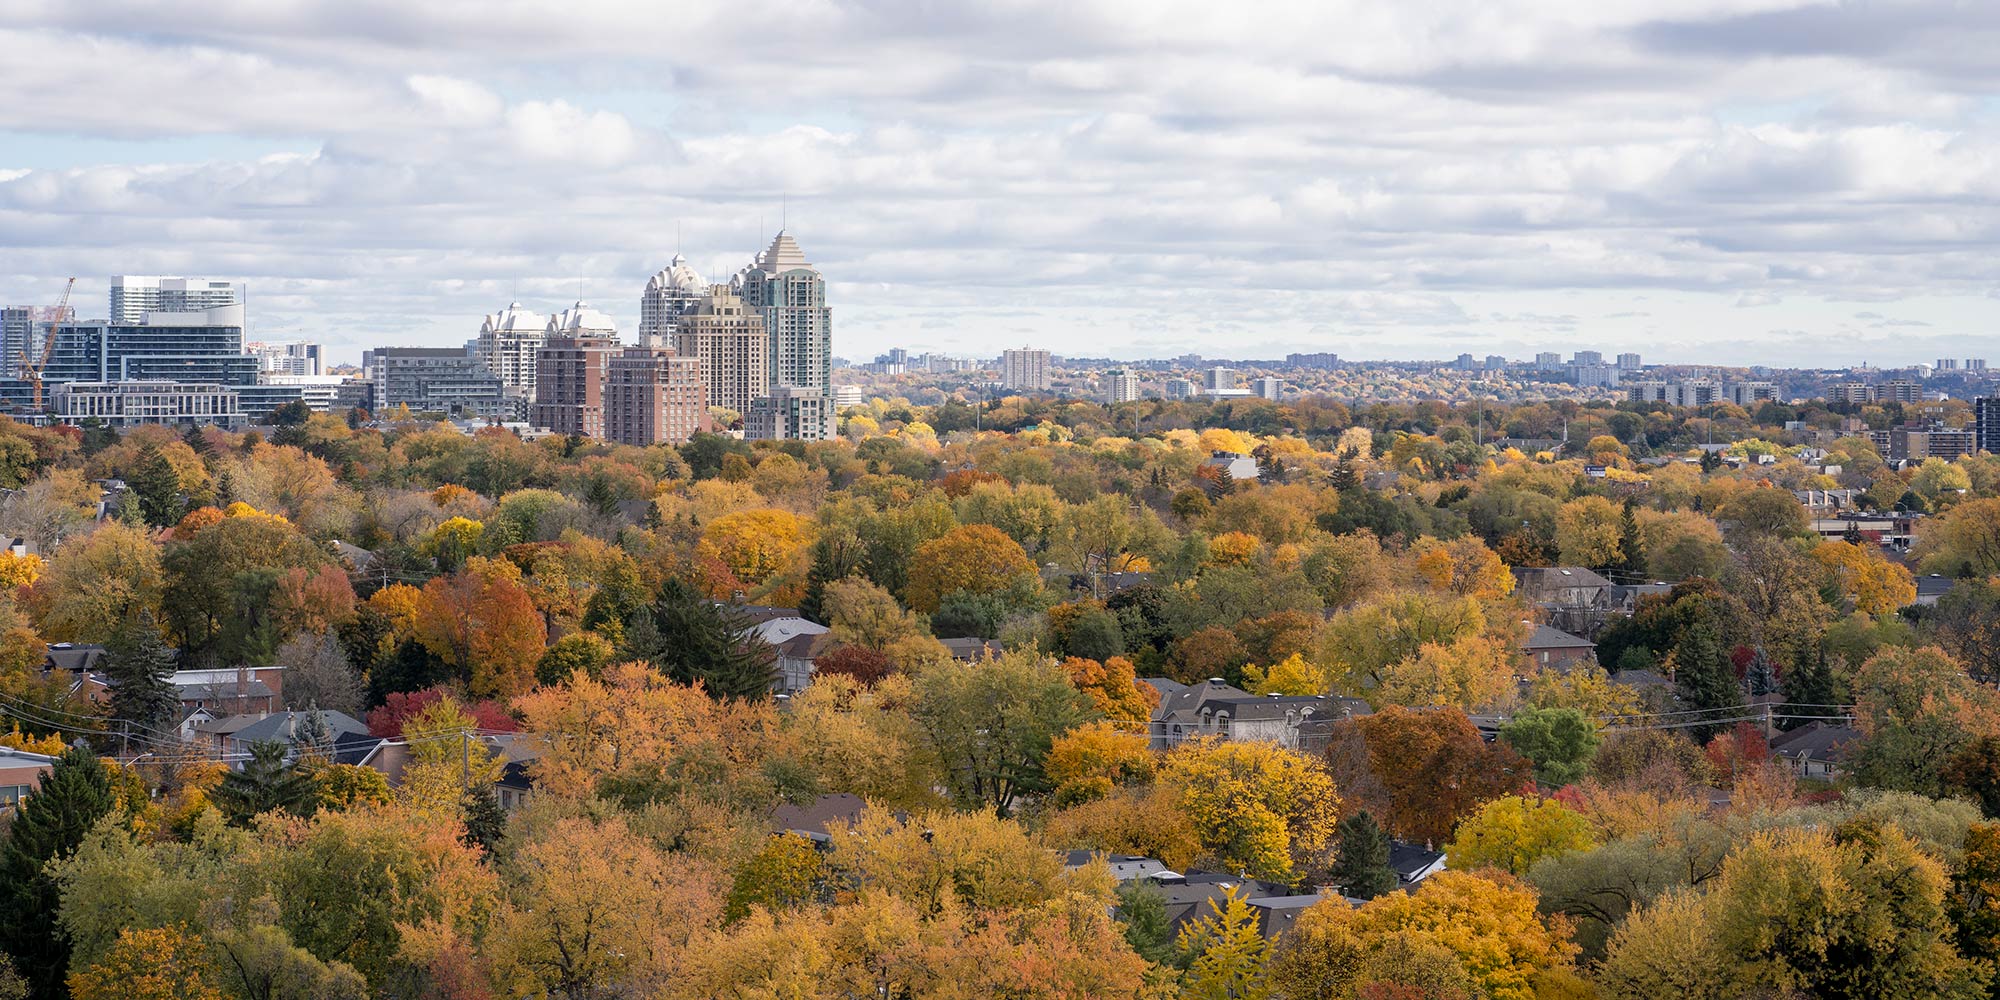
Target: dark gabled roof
x=1269, y=707
x=1192, y=698
x=1935, y=586
x=1164, y=685
x=1815, y=741
x=971, y=648
x=355, y=748
x=223, y=692
x=758, y=614
x=806, y=646
x=75, y=657
x=1407, y=860
x=279, y=726
x=1544, y=637
x=515, y=776
x=1641, y=678
x=822, y=815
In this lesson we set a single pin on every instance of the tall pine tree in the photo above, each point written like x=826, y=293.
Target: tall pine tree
x=1631, y=548
x=265, y=783
x=1809, y=688
x=139, y=667
x=158, y=486
x=49, y=824
x=1704, y=676
x=1361, y=862
x=691, y=638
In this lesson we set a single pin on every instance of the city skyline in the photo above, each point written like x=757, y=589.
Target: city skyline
x=1754, y=181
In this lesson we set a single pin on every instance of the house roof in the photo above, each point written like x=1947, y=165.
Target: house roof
x=278, y=727
x=971, y=648
x=1557, y=577
x=1190, y=699
x=1544, y=637
x=1934, y=586
x=806, y=646
x=1409, y=861
x=780, y=629
x=75, y=657
x=1270, y=707
x=1124, y=867
x=1815, y=741
x=822, y=815
x=1641, y=678
x=220, y=692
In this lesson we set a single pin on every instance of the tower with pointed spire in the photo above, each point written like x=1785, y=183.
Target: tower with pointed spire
x=791, y=295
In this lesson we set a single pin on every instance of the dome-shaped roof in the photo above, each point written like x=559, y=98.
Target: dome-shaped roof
x=514, y=320
x=582, y=320
x=678, y=276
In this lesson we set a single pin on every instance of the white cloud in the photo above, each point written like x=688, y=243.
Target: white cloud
x=1394, y=177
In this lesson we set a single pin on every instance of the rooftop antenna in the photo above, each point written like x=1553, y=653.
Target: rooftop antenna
x=784, y=210
x=677, y=238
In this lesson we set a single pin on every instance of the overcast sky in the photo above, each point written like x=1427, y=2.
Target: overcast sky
x=1733, y=181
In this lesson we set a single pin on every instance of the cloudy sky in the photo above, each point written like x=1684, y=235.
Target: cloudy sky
x=1731, y=181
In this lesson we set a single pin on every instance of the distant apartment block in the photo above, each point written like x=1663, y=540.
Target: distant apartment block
x=293, y=358
x=135, y=295
x=1894, y=390
x=510, y=342
x=1596, y=376
x=1025, y=369
x=132, y=403
x=1495, y=362
x=432, y=380
x=1917, y=442
x=1587, y=358
x=1986, y=424
x=1122, y=386
x=1267, y=387
x=1548, y=361
x=1629, y=362
x=1216, y=379
x=792, y=413
x=653, y=396
x=1322, y=361
x=730, y=339
x=1180, y=388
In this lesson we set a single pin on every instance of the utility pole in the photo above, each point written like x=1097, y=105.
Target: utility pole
x=465, y=759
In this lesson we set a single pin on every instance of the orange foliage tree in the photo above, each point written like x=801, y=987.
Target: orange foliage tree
x=1422, y=770
x=978, y=558
x=482, y=623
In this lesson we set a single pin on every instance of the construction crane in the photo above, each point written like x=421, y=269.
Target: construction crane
x=31, y=364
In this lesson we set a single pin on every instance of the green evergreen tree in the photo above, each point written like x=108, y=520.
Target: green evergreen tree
x=1361, y=861
x=265, y=783
x=1808, y=687
x=691, y=638
x=1704, y=677
x=1142, y=908
x=485, y=821
x=48, y=824
x=312, y=737
x=1631, y=548
x=157, y=486
x=138, y=668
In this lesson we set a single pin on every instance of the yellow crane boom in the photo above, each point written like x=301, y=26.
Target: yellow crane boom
x=32, y=364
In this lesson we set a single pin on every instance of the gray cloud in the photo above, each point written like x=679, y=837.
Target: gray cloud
x=1398, y=178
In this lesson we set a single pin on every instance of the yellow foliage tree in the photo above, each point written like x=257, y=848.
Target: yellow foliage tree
x=1233, y=548
x=1257, y=807
x=1485, y=922
x=1473, y=672
x=1089, y=761
x=447, y=756
x=1290, y=676
x=756, y=544
x=1875, y=585
x=1587, y=531
x=977, y=558
x=17, y=571
x=1512, y=833
x=1463, y=566
x=159, y=963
